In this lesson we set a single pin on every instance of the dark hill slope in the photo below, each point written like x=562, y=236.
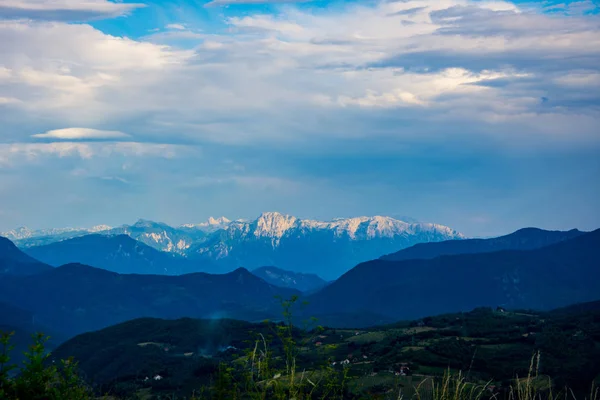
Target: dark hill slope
x=14, y=262
x=564, y=273
x=295, y=280
x=76, y=298
x=117, y=253
x=523, y=239
x=490, y=344
x=149, y=347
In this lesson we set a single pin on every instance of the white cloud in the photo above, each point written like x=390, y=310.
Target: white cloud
x=180, y=27
x=9, y=100
x=23, y=152
x=216, y=3
x=80, y=134
x=65, y=9
x=482, y=64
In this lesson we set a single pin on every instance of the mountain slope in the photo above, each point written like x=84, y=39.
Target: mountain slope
x=523, y=239
x=279, y=277
x=76, y=298
x=164, y=237
x=324, y=248
x=149, y=347
x=14, y=262
x=117, y=253
x=563, y=273
x=186, y=352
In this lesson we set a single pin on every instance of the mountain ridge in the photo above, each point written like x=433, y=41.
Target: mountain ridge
x=549, y=277
x=15, y=262
x=306, y=283
x=521, y=239
x=76, y=298
x=118, y=253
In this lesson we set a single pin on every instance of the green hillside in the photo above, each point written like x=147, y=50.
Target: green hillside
x=490, y=346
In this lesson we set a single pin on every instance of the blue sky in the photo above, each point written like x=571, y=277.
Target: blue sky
x=480, y=115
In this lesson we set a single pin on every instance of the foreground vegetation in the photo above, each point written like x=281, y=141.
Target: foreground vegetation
x=483, y=354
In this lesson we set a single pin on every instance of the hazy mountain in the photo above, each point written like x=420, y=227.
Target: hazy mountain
x=279, y=277
x=14, y=262
x=76, y=298
x=553, y=276
x=523, y=239
x=117, y=253
x=307, y=246
x=164, y=237
x=25, y=237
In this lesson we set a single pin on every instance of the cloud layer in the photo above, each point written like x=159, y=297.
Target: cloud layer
x=65, y=10
x=80, y=134
x=422, y=84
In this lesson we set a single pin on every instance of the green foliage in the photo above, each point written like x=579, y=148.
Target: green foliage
x=38, y=378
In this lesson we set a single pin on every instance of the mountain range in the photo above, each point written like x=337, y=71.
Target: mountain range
x=76, y=298
x=552, y=276
x=554, y=270
x=118, y=253
x=523, y=239
x=306, y=246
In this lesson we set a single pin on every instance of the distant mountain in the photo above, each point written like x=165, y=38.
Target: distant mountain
x=75, y=298
x=523, y=239
x=279, y=277
x=325, y=248
x=308, y=246
x=167, y=238
x=117, y=253
x=14, y=262
x=549, y=277
x=25, y=237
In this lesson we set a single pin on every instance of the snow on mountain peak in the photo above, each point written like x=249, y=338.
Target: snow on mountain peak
x=211, y=225
x=99, y=228
x=218, y=221
x=274, y=224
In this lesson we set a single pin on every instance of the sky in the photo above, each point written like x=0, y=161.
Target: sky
x=480, y=115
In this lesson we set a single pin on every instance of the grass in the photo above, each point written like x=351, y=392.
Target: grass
x=368, y=337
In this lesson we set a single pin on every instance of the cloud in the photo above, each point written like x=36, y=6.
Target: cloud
x=180, y=27
x=65, y=10
x=217, y=3
x=80, y=134
x=29, y=152
x=473, y=63
x=413, y=102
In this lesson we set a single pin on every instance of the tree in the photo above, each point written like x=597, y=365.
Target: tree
x=38, y=378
